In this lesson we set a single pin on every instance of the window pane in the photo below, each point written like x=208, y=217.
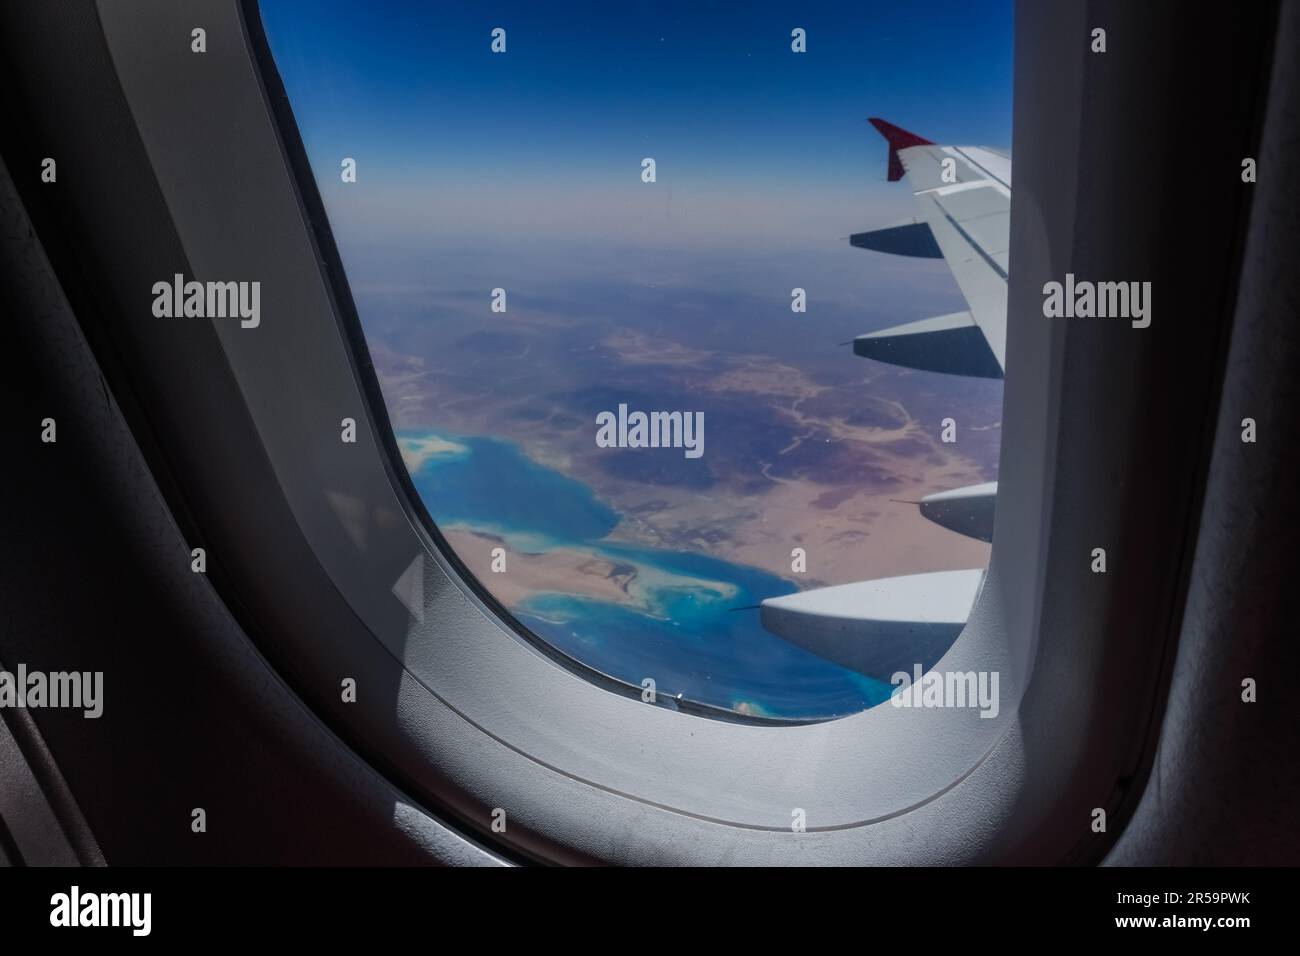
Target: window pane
x=612, y=228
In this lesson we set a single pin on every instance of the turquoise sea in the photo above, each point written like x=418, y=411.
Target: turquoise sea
x=690, y=622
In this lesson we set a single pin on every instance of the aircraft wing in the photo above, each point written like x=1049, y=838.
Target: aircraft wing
x=963, y=194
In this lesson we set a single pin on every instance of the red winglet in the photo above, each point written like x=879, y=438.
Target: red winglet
x=898, y=138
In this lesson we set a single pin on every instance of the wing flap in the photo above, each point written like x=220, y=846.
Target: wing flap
x=982, y=280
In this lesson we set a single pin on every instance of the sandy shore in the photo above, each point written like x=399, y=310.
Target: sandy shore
x=563, y=570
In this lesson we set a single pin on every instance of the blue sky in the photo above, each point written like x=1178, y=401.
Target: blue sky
x=752, y=141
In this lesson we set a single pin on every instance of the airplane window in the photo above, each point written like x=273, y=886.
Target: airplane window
x=689, y=320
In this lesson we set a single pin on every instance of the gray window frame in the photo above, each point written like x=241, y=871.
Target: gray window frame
x=477, y=718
